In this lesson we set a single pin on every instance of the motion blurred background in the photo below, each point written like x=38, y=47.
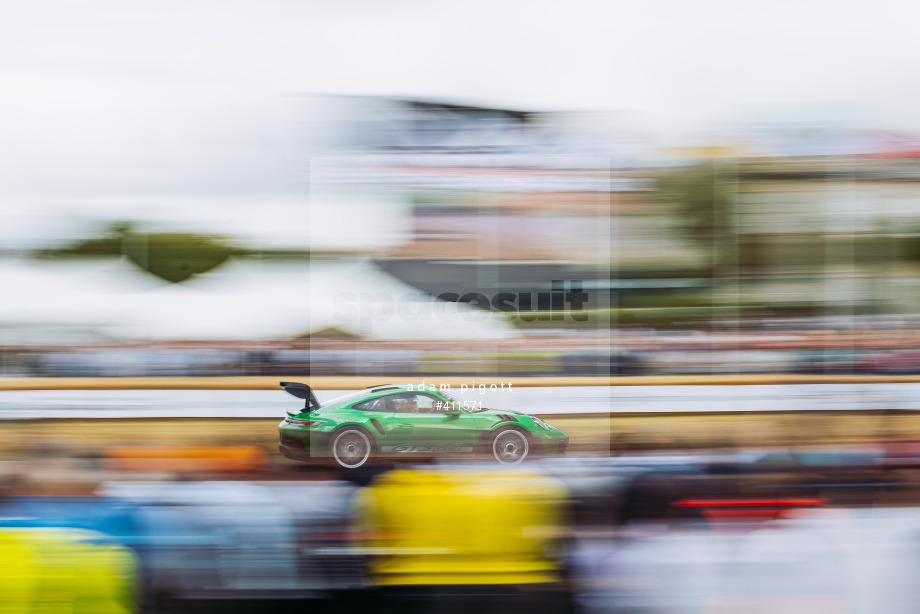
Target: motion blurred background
x=288, y=189
x=689, y=234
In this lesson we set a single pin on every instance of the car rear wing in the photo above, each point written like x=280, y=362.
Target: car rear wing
x=302, y=391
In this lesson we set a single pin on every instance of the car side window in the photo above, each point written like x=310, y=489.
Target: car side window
x=405, y=403
x=439, y=405
x=378, y=404
x=365, y=405
x=429, y=404
x=425, y=403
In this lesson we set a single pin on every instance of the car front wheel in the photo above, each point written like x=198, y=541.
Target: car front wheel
x=352, y=448
x=510, y=446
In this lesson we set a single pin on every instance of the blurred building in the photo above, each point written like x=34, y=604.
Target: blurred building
x=835, y=235
x=505, y=200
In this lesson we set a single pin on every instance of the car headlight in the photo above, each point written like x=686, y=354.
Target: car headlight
x=539, y=422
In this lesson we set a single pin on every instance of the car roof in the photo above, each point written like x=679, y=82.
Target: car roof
x=382, y=387
x=374, y=392
x=394, y=388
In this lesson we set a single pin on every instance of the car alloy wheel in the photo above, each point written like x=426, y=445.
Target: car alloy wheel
x=351, y=448
x=510, y=447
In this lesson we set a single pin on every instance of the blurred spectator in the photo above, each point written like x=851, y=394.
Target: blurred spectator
x=465, y=540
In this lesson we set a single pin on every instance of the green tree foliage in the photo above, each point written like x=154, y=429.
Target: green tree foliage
x=174, y=256
x=703, y=196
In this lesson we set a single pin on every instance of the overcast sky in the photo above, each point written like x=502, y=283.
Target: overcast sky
x=156, y=106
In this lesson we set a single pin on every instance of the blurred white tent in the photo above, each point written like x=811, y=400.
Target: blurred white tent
x=84, y=292
x=238, y=300
x=29, y=294
x=263, y=300
x=71, y=302
x=100, y=291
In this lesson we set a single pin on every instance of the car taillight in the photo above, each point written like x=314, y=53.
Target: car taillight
x=302, y=422
x=749, y=509
x=788, y=502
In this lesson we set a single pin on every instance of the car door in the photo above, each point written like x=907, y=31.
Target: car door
x=431, y=427
x=392, y=429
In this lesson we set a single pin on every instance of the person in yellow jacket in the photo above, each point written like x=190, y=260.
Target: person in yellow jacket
x=472, y=540
x=62, y=570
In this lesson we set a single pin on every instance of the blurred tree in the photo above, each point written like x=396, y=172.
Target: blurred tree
x=703, y=197
x=908, y=248
x=174, y=256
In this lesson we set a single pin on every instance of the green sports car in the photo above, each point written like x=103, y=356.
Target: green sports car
x=406, y=420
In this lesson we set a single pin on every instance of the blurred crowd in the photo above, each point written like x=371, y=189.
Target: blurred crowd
x=887, y=349
x=755, y=531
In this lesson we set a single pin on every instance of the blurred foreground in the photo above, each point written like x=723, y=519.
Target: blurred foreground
x=765, y=532
x=765, y=511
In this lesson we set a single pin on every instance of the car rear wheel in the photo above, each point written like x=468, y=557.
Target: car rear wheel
x=510, y=446
x=352, y=447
